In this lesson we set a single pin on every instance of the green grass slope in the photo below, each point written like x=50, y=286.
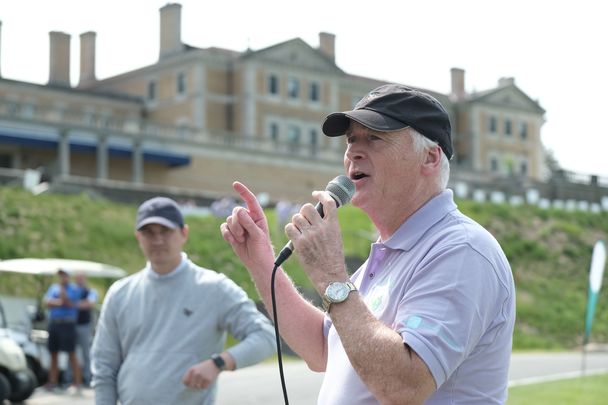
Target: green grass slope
x=549, y=251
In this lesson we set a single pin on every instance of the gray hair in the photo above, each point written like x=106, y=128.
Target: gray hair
x=421, y=144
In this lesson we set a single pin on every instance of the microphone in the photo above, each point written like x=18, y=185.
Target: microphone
x=341, y=190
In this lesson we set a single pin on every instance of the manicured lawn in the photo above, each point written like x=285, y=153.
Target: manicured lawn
x=590, y=390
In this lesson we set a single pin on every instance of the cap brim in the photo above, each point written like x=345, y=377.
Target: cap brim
x=336, y=124
x=156, y=220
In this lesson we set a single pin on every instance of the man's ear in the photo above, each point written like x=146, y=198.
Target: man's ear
x=432, y=160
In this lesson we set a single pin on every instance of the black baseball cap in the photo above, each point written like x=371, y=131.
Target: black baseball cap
x=392, y=107
x=159, y=210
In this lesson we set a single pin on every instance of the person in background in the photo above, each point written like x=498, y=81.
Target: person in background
x=84, y=327
x=62, y=301
x=161, y=332
x=429, y=317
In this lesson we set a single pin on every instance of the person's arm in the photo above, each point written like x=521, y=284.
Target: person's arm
x=247, y=325
x=52, y=299
x=391, y=371
x=300, y=323
x=203, y=374
x=88, y=302
x=106, y=354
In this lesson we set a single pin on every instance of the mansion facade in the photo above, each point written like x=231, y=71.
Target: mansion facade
x=200, y=118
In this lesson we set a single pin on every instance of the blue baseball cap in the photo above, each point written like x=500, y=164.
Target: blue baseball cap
x=159, y=210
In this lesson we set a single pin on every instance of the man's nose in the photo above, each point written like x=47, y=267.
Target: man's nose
x=354, y=152
x=157, y=238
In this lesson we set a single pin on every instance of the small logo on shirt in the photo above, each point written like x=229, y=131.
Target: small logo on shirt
x=377, y=299
x=187, y=312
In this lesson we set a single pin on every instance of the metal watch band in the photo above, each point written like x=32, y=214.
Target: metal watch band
x=326, y=302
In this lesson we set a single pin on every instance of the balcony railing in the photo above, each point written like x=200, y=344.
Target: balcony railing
x=63, y=119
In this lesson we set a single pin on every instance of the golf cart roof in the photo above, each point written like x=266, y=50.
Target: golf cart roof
x=51, y=266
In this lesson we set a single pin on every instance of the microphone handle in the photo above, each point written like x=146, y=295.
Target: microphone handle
x=288, y=249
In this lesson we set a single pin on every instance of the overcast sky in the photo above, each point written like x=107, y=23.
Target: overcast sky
x=555, y=50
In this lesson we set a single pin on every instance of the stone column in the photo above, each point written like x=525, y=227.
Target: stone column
x=64, y=153
x=138, y=162
x=102, y=157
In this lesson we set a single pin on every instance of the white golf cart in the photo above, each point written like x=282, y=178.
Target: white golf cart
x=17, y=381
x=28, y=328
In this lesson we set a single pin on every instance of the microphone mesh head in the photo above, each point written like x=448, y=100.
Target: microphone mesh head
x=341, y=189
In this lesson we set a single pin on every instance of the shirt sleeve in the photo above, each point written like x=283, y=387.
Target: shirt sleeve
x=449, y=303
x=106, y=353
x=249, y=326
x=50, y=293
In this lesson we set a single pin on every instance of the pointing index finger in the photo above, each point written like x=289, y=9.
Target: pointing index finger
x=254, y=207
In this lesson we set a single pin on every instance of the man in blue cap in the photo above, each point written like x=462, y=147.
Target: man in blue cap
x=161, y=332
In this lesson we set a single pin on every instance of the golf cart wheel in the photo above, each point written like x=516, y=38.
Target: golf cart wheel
x=5, y=388
x=24, y=384
x=40, y=372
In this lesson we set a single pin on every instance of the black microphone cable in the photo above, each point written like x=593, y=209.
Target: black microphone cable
x=276, y=331
x=341, y=189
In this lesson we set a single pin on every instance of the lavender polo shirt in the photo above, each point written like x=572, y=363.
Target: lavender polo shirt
x=444, y=284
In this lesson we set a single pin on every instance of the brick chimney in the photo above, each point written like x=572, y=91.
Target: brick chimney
x=327, y=45
x=59, y=69
x=458, y=91
x=506, y=81
x=87, y=59
x=170, y=30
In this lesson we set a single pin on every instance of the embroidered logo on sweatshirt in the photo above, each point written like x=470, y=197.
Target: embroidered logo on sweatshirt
x=187, y=312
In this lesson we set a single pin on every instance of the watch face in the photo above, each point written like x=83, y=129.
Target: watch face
x=337, y=292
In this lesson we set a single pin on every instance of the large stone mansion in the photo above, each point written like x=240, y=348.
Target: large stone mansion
x=200, y=118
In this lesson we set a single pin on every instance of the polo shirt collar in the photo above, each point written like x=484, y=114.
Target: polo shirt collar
x=412, y=230
x=172, y=274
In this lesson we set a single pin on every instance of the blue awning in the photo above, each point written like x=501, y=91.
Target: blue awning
x=49, y=141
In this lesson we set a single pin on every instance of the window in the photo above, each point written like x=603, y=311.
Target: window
x=523, y=168
x=493, y=164
x=6, y=160
x=29, y=110
x=88, y=118
x=274, y=132
x=314, y=139
x=523, y=130
x=273, y=84
x=183, y=127
x=180, y=83
x=293, y=138
x=313, y=91
x=293, y=87
x=492, y=124
x=182, y=131
x=12, y=107
x=152, y=90
x=508, y=129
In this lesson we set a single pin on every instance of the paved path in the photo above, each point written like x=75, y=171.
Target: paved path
x=261, y=384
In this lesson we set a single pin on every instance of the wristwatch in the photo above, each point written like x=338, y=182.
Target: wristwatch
x=218, y=361
x=336, y=292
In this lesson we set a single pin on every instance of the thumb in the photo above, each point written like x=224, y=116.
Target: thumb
x=248, y=223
